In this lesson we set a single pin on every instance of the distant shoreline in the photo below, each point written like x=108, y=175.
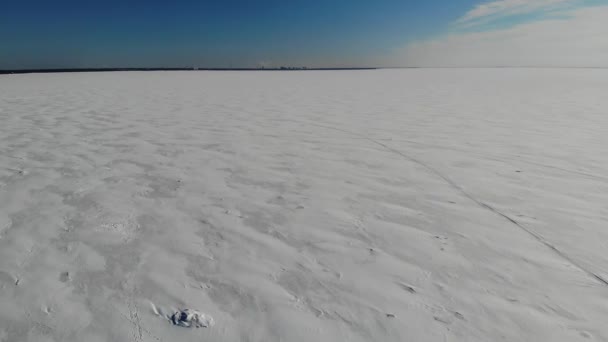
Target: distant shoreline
x=70, y=70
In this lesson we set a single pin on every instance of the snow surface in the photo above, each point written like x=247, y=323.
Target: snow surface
x=386, y=205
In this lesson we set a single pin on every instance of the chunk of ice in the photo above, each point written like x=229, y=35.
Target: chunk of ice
x=191, y=319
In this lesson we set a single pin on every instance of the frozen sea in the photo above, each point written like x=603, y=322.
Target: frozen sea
x=376, y=205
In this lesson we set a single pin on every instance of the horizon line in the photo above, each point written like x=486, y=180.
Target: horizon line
x=74, y=70
x=67, y=70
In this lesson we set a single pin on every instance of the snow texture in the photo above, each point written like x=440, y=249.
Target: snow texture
x=380, y=205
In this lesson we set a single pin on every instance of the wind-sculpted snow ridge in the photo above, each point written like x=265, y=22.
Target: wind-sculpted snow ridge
x=376, y=205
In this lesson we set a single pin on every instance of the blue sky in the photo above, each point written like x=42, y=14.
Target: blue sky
x=239, y=33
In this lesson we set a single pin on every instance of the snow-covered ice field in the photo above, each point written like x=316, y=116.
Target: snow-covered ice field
x=386, y=205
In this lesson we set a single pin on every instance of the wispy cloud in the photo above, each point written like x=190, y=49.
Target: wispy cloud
x=578, y=38
x=503, y=8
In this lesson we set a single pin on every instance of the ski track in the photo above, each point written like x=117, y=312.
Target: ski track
x=476, y=200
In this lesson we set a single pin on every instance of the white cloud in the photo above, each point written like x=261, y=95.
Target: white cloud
x=502, y=8
x=578, y=39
